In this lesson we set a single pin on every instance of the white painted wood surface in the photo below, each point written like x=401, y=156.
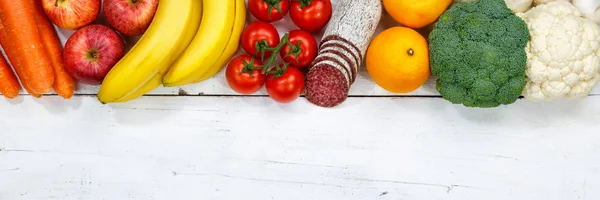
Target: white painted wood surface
x=218, y=145
x=252, y=148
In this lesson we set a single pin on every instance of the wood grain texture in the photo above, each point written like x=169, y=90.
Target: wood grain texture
x=251, y=148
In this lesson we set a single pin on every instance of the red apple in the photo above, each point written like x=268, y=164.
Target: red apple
x=71, y=14
x=91, y=52
x=130, y=17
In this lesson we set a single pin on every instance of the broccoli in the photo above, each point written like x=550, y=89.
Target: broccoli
x=477, y=51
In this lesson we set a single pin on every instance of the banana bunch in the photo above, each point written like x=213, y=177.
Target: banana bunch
x=187, y=42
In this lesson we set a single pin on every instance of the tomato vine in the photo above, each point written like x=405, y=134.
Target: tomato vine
x=272, y=66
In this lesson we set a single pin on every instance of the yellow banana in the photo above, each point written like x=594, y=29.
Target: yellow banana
x=208, y=44
x=172, y=29
x=232, y=46
x=152, y=84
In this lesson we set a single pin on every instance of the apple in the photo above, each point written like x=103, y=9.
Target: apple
x=71, y=14
x=91, y=52
x=130, y=17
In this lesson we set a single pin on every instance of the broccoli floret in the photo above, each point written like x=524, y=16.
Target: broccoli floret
x=477, y=51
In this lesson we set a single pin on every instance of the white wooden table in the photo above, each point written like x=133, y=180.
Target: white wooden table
x=205, y=142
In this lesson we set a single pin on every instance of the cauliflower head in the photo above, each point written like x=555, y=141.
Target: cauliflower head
x=477, y=51
x=540, y=2
x=517, y=6
x=590, y=8
x=563, y=54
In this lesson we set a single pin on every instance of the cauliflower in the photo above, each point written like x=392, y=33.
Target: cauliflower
x=563, y=54
x=591, y=9
x=517, y=6
x=540, y=2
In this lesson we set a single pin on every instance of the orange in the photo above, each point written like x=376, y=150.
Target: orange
x=416, y=13
x=398, y=60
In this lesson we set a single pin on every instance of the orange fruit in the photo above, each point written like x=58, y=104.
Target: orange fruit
x=398, y=60
x=416, y=13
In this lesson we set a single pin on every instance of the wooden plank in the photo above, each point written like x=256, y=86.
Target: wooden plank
x=252, y=148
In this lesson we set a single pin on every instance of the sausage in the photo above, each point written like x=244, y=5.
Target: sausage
x=341, y=41
x=330, y=61
x=344, y=47
x=345, y=56
x=346, y=50
x=348, y=63
x=344, y=42
x=321, y=79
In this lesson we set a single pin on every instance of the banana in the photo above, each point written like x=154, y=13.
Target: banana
x=152, y=84
x=174, y=26
x=209, y=43
x=232, y=46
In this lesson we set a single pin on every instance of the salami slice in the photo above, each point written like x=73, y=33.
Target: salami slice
x=347, y=49
x=337, y=64
x=347, y=36
x=346, y=61
x=339, y=40
x=327, y=86
x=342, y=46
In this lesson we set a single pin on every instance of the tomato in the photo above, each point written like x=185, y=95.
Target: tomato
x=257, y=36
x=311, y=15
x=244, y=82
x=287, y=87
x=269, y=10
x=306, y=52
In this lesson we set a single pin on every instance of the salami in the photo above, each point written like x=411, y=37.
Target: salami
x=343, y=47
x=322, y=79
x=347, y=63
x=339, y=44
x=340, y=40
x=337, y=64
x=346, y=50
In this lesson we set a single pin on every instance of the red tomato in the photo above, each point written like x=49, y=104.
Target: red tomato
x=287, y=87
x=244, y=82
x=269, y=10
x=257, y=33
x=307, y=52
x=311, y=15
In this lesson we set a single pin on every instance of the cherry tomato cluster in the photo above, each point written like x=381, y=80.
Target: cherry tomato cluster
x=308, y=15
x=246, y=74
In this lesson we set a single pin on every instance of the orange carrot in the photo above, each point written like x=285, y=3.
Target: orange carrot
x=13, y=57
x=18, y=18
x=64, y=85
x=9, y=85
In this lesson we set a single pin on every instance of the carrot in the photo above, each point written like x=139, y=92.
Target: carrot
x=64, y=85
x=9, y=85
x=18, y=18
x=14, y=59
